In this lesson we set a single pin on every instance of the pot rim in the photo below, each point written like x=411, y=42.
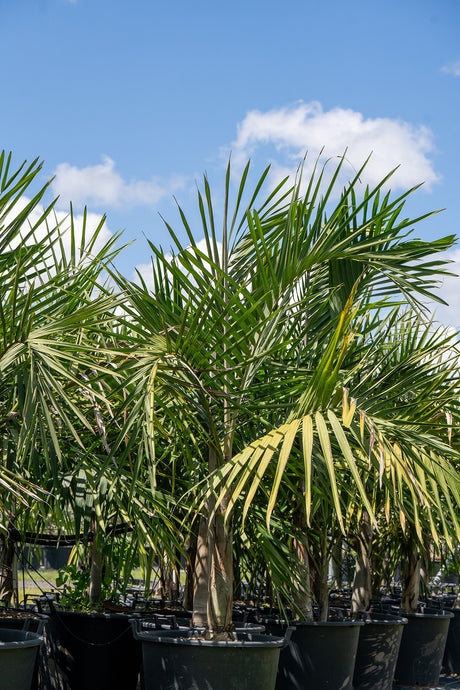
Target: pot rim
x=328, y=624
x=168, y=637
x=383, y=618
x=430, y=614
x=26, y=639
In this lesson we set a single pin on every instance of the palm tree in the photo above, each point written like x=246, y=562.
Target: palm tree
x=412, y=389
x=50, y=300
x=236, y=357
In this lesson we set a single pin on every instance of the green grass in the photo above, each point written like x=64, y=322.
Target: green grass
x=33, y=583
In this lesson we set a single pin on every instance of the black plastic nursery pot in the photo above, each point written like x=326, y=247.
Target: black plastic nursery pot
x=319, y=656
x=94, y=651
x=422, y=648
x=19, y=619
x=378, y=648
x=180, y=660
x=18, y=658
x=451, y=661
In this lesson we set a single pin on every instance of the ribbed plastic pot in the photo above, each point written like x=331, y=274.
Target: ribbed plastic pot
x=422, y=648
x=451, y=661
x=18, y=619
x=378, y=648
x=18, y=657
x=94, y=651
x=34, y=623
x=319, y=656
x=179, y=660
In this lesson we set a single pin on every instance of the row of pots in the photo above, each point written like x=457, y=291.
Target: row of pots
x=366, y=654
x=98, y=651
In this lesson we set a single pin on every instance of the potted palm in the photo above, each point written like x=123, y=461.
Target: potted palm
x=314, y=412
x=43, y=303
x=262, y=297
x=419, y=369
x=197, y=343
x=53, y=308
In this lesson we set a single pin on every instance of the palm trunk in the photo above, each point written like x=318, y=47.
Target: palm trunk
x=381, y=570
x=191, y=551
x=175, y=578
x=220, y=602
x=336, y=565
x=166, y=577
x=411, y=578
x=213, y=590
x=213, y=578
x=320, y=587
x=302, y=593
x=169, y=576
x=424, y=575
x=96, y=566
x=7, y=554
x=201, y=576
x=362, y=581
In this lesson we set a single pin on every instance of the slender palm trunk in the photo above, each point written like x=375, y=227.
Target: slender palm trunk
x=213, y=595
x=425, y=575
x=336, y=565
x=220, y=602
x=213, y=578
x=191, y=549
x=381, y=570
x=302, y=594
x=96, y=566
x=321, y=589
x=411, y=578
x=7, y=563
x=166, y=577
x=8, y=566
x=362, y=581
x=201, y=576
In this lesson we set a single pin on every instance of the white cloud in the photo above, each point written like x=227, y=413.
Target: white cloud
x=146, y=270
x=306, y=127
x=449, y=291
x=61, y=219
x=102, y=185
x=452, y=68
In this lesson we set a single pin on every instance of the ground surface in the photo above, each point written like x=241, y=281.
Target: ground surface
x=445, y=683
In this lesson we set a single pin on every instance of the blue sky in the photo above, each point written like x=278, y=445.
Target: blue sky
x=128, y=103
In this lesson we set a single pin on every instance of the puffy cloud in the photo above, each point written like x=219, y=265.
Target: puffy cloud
x=102, y=185
x=449, y=291
x=452, y=68
x=145, y=270
x=60, y=219
x=306, y=127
